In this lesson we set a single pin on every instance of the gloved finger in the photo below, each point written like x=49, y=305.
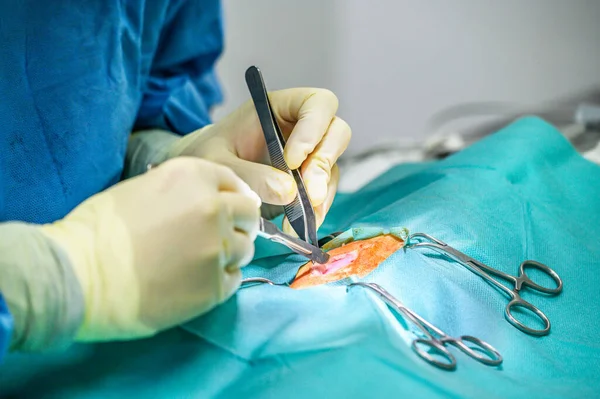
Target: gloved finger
x=321, y=210
x=311, y=112
x=272, y=185
x=241, y=253
x=230, y=284
x=243, y=212
x=316, y=170
x=227, y=180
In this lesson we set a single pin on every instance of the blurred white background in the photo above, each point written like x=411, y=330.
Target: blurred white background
x=394, y=63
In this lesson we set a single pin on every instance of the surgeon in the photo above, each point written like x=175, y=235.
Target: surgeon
x=92, y=248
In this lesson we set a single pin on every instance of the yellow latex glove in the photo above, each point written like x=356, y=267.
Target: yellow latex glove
x=159, y=249
x=315, y=136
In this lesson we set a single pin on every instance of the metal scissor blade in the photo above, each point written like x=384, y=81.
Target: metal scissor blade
x=269, y=231
x=299, y=212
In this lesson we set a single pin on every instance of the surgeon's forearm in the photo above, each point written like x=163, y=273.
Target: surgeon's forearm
x=147, y=147
x=40, y=288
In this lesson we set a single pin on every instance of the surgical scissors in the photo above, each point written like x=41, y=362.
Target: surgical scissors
x=435, y=339
x=485, y=272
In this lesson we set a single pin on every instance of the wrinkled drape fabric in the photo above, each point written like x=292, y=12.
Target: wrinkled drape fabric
x=523, y=193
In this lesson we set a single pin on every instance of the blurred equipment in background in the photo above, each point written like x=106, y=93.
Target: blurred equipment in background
x=459, y=126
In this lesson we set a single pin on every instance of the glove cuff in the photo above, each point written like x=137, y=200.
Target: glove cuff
x=145, y=148
x=98, y=245
x=154, y=147
x=179, y=147
x=40, y=288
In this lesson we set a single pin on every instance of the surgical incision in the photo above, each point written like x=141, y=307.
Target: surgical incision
x=357, y=258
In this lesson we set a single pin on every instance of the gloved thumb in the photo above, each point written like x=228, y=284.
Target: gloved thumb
x=272, y=185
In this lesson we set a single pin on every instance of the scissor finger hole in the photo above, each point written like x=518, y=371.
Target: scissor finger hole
x=481, y=351
x=434, y=354
x=540, y=277
x=527, y=318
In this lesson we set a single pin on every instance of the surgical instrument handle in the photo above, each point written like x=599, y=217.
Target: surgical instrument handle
x=300, y=212
x=485, y=272
x=489, y=356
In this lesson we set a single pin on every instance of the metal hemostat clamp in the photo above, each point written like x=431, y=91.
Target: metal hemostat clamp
x=252, y=281
x=432, y=347
x=487, y=273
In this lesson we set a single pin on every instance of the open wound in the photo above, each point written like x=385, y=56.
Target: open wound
x=334, y=264
x=357, y=258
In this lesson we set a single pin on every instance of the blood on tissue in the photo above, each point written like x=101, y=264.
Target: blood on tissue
x=334, y=264
x=357, y=258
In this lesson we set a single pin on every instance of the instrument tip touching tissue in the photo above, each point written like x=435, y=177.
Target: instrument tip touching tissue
x=299, y=212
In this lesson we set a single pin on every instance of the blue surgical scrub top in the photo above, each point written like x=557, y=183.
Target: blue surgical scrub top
x=76, y=77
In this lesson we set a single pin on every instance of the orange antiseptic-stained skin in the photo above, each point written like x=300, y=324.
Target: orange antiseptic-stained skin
x=369, y=254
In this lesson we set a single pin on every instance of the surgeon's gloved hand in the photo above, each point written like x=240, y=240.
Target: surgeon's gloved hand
x=315, y=137
x=159, y=249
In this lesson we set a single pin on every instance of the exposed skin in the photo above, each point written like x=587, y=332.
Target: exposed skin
x=371, y=253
